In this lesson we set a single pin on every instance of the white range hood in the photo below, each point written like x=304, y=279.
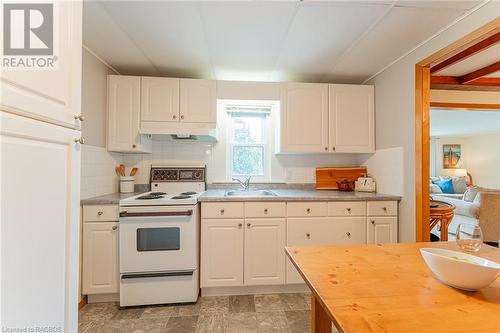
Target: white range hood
x=203, y=132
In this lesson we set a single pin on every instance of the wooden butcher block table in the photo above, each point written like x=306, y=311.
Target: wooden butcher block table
x=388, y=288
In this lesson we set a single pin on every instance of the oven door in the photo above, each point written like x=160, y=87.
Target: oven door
x=158, y=239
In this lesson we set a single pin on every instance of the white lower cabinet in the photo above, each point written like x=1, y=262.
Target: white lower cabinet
x=242, y=243
x=100, y=273
x=221, y=252
x=264, y=251
x=381, y=230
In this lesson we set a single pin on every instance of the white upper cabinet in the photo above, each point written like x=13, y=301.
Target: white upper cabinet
x=124, y=95
x=304, y=118
x=198, y=101
x=159, y=99
x=351, y=118
x=52, y=95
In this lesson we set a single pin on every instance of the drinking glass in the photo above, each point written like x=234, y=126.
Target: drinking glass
x=469, y=237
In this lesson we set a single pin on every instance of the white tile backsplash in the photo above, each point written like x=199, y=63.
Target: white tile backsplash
x=98, y=175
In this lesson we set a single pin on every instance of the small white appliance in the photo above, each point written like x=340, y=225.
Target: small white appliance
x=159, y=239
x=365, y=184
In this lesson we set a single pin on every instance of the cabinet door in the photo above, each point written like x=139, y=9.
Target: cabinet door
x=124, y=115
x=304, y=118
x=52, y=95
x=381, y=230
x=221, y=252
x=305, y=231
x=159, y=99
x=100, y=272
x=352, y=118
x=40, y=214
x=198, y=99
x=264, y=251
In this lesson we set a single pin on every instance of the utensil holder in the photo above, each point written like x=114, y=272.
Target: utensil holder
x=127, y=184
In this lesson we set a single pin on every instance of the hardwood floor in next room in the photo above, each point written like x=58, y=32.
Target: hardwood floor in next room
x=276, y=313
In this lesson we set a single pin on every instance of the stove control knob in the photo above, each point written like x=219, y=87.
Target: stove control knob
x=197, y=175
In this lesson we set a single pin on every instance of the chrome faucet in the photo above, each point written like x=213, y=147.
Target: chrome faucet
x=245, y=184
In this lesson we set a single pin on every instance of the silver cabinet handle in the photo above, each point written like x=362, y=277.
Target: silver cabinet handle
x=114, y=227
x=80, y=140
x=308, y=210
x=384, y=209
x=174, y=116
x=100, y=213
x=333, y=148
x=349, y=210
x=222, y=212
x=240, y=225
x=348, y=234
x=249, y=225
x=326, y=148
x=372, y=222
x=265, y=211
x=182, y=117
x=308, y=235
x=79, y=117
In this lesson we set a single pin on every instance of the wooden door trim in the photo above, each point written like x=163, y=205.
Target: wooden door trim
x=466, y=106
x=422, y=113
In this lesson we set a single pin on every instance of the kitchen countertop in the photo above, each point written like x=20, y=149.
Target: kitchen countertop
x=300, y=195
x=107, y=199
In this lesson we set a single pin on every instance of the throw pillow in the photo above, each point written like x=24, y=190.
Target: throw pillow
x=446, y=185
x=459, y=184
x=471, y=193
x=435, y=189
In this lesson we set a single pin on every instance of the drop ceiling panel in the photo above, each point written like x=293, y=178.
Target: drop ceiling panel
x=244, y=38
x=400, y=31
x=169, y=33
x=477, y=61
x=455, y=4
x=319, y=34
x=105, y=38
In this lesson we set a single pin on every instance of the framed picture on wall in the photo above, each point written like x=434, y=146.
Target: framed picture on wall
x=451, y=156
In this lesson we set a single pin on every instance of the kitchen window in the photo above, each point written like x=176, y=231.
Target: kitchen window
x=248, y=140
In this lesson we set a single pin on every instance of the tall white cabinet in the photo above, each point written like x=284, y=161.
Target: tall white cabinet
x=40, y=186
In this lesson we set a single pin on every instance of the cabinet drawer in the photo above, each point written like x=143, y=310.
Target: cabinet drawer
x=348, y=230
x=347, y=208
x=382, y=208
x=224, y=210
x=96, y=213
x=299, y=209
x=265, y=209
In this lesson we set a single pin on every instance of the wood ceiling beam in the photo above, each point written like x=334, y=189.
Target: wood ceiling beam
x=456, y=80
x=468, y=52
x=477, y=74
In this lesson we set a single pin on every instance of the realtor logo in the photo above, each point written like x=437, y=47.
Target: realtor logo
x=28, y=36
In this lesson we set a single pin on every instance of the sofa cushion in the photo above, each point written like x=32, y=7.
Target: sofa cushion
x=464, y=208
x=446, y=185
x=434, y=189
x=459, y=184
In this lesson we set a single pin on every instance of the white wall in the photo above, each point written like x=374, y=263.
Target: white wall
x=97, y=173
x=482, y=159
x=395, y=106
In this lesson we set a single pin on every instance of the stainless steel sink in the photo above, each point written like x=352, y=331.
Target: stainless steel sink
x=256, y=193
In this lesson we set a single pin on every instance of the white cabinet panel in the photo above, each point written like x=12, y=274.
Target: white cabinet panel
x=100, y=273
x=304, y=118
x=265, y=209
x=264, y=251
x=352, y=118
x=221, y=252
x=97, y=213
x=382, y=208
x=222, y=210
x=159, y=99
x=124, y=96
x=40, y=214
x=52, y=95
x=310, y=208
x=198, y=101
x=380, y=230
x=347, y=208
x=347, y=230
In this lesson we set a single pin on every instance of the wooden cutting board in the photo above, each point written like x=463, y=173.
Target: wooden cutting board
x=327, y=178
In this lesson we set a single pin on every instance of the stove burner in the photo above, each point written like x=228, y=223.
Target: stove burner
x=181, y=197
x=188, y=193
x=149, y=197
x=157, y=193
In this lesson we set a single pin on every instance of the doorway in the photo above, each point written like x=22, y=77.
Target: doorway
x=426, y=78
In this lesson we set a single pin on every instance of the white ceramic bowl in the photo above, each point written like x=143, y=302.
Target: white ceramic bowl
x=460, y=270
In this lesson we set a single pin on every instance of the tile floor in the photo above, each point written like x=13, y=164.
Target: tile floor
x=276, y=313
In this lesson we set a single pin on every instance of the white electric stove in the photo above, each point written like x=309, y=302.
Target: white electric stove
x=159, y=239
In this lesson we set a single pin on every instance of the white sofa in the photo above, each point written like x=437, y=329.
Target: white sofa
x=465, y=212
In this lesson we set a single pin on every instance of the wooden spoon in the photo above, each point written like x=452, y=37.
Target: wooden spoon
x=133, y=171
x=122, y=169
x=118, y=170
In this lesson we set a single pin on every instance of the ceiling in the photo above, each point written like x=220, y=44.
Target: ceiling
x=309, y=41
x=472, y=63
x=464, y=123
